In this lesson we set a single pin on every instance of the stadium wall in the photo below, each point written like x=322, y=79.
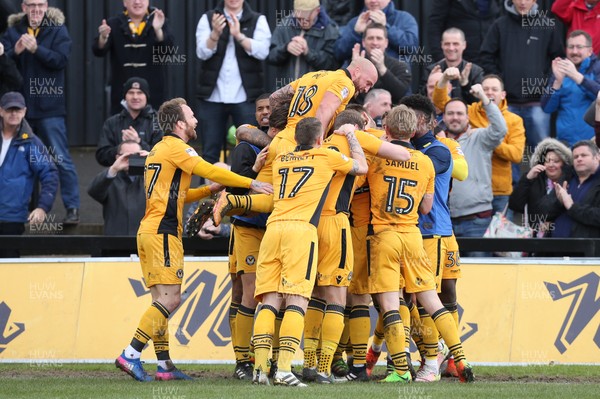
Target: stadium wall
x=82, y=310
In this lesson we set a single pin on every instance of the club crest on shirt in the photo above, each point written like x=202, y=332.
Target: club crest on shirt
x=345, y=92
x=191, y=152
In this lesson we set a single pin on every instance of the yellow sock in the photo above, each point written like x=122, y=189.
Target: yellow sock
x=452, y=308
x=405, y=316
x=275, y=350
x=333, y=326
x=289, y=336
x=394, y=339
x=160, y=329
x=447, y=327
x=416, y=330
x=262, y=203
x=378, y=333
x=263, y=336
x=153, y=320
x=344, y=344
x=360, y=326
x=233, y=308
x=430, y=335
x=243, y=332
x=312, y=330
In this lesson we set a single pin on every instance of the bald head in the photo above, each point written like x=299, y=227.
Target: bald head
x=363, y=73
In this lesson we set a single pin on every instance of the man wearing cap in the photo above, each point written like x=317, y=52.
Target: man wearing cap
x=136, y=122
x=303, y=42
x=23, y=158
x=39, y=42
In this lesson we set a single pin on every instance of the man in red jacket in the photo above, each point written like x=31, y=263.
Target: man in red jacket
x=580, y=14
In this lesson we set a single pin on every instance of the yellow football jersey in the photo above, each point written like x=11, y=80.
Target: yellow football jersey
x=310, y=89
x=397, y=188
x=301, y=180
x=360, y=207
x=342, y=186
x=167, y=177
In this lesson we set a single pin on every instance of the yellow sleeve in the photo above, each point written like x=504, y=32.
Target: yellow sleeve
x=512, y=147
x=184, y=156
x=440, y=97
x=220, y=175
x=339, y=162
x=368, y=142
x=431, y=175
x=342, y=88
x=195, y=194
x=460, y=170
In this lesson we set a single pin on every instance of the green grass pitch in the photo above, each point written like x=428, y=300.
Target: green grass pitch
x=54, y=380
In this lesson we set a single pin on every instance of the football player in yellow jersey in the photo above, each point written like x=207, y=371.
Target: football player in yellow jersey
x=334, y=269
x=398, y=192
x=286, y=263
x=451, y=271
x=320, y=94
x=168, y=172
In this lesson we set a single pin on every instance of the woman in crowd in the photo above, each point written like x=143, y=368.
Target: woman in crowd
x=550, y=163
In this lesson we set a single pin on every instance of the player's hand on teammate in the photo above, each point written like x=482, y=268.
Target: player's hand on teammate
x=260, y=160
x=261, y=187
x=345, y=129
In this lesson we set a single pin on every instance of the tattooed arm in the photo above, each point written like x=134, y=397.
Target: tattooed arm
x=360, y=166
x=282, y=95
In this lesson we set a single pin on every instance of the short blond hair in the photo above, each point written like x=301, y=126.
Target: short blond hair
x=401, y=122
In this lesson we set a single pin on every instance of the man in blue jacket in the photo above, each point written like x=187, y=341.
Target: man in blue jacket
x=574, y=85
x=402, y=30
x=39, y=42
x=23, y=158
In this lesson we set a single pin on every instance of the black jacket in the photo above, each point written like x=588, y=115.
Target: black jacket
x=520, y=49
x=43, y=72
x=458, y=91
x=142, y=56
x=530, y=192
x=396, y=80
x=123, y=202
x=10, y=77
x=585, y=214
x=321, y=42
x=145, y=124
x=464, y=15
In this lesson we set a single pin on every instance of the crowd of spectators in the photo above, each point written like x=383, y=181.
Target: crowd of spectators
x=526, y=70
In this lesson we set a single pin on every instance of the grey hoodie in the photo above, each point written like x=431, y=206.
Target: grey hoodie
x=474, y=194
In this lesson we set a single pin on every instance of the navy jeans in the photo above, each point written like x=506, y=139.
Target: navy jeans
x=212, y=121
x=53, y=132
x=471, y=228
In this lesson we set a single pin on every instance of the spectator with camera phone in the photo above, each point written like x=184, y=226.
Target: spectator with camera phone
x=120, y=192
